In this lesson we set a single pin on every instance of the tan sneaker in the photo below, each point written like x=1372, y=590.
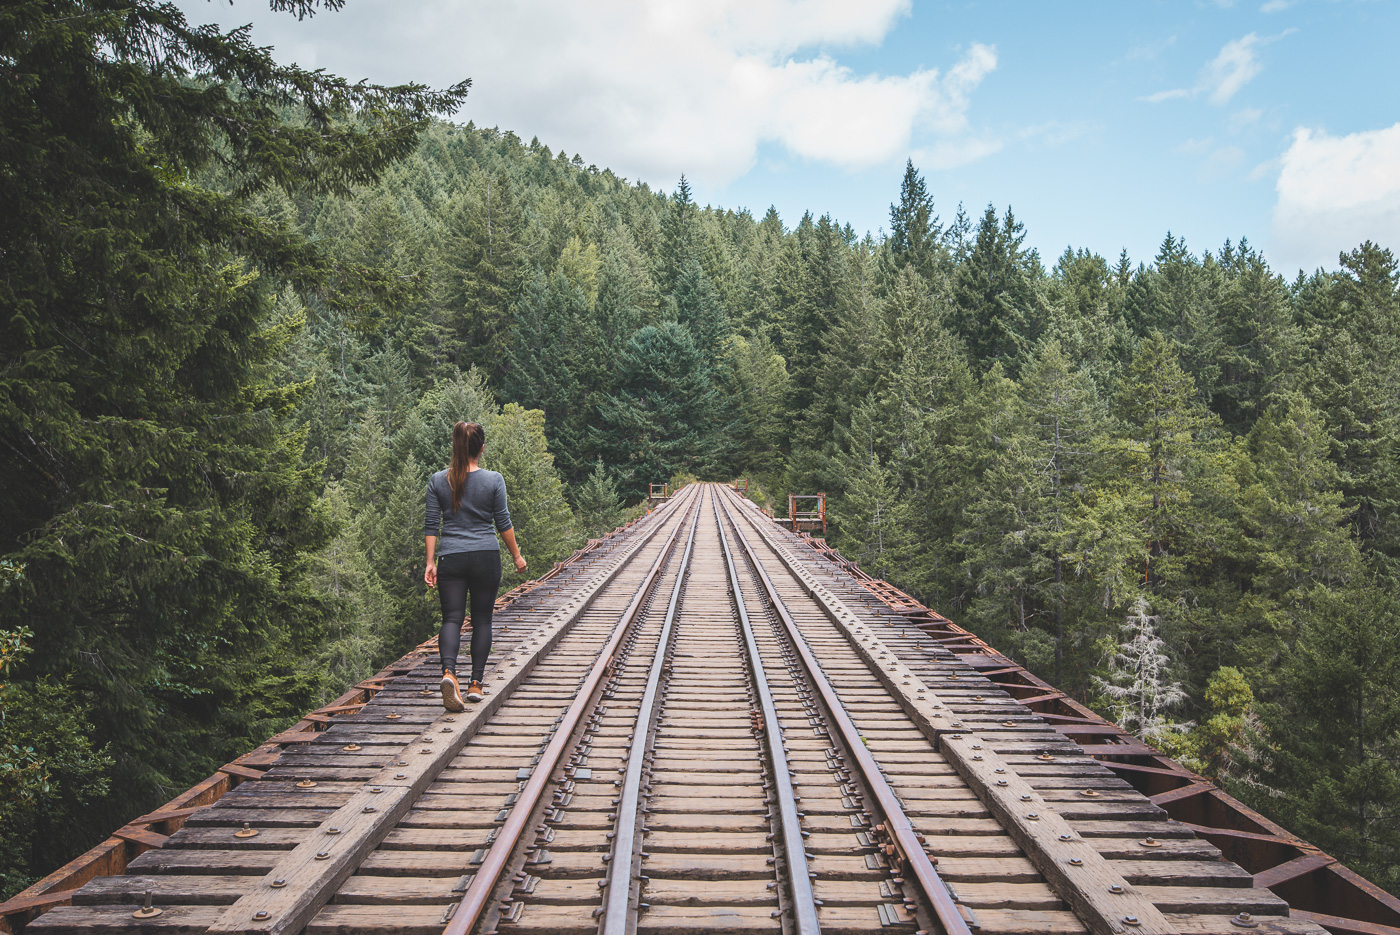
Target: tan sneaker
x=451, y=693
x=474, y=692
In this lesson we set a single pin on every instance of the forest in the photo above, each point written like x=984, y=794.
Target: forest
x=244, y=303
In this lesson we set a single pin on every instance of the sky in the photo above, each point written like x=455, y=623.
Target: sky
x=1101, y=125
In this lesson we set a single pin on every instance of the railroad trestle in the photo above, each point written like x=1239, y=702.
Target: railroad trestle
x=703, y=722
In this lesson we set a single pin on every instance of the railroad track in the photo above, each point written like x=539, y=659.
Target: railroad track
x=699, y=731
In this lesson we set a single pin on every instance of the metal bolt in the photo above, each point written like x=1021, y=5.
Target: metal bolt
x=262, y=915
x=278, y=883
x=1131, y=920
x=322, y=855
x=1116, y=888
x=1076, y=862
x=332, y=830
x=147, y=910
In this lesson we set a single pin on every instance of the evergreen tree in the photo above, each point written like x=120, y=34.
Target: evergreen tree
x=599, y=509
x=1332, y=770
x=484, y=269
x=998, y=313
x=678, y=237
x=552, y=349
x=915, y=233
x=696, y=305
x=660, y=421
x=1138, y=686
x=162, y=515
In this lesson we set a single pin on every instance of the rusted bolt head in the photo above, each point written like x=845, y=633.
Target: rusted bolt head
x=1132, y=920
x=1116, y=888
x=262, y=915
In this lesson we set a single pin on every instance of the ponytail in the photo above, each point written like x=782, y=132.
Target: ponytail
x=467, y=441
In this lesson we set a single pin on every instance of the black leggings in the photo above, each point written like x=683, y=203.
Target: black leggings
x=459, y=573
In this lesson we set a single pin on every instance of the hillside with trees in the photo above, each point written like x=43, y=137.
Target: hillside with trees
x=1169, y=485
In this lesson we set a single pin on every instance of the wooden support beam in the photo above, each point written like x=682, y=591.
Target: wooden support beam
x=242, y=772
x=142, y=836
x=1341, y=926
x=1291, y=870
x=1185, y=792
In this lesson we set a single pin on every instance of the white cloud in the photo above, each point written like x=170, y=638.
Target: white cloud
x=1276, y=6
x=1160, y=96
x=1232, y=69
x=1235, y=66
x=1335, y=192
x=654, y=89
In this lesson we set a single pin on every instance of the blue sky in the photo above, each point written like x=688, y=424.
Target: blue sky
x=1102, y=125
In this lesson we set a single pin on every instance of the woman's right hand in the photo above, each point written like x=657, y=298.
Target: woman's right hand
x=430, y=575
x=519, y=563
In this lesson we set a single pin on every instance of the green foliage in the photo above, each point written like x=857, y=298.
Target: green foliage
x=1332, y=767
x=596, y=500
x=50, y=769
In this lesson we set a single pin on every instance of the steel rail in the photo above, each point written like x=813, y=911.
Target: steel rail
x=897, y=824
x=618, y=907
x=478, y=894
x=799, y=877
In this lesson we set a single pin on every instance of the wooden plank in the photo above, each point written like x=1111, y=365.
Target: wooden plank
x=78, y=920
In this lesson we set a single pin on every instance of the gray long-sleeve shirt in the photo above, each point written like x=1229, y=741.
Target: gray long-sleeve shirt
x=470, y=528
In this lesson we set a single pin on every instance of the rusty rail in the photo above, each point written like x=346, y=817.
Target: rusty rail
x=478, y=894
x=804, y=903
x=897, y=824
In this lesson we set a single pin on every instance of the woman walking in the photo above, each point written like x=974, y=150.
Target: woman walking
x=467, y=505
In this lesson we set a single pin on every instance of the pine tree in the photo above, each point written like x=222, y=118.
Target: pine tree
x=552, y=349
x=1065, y=423
x=516, y=447
x=872, y=519
x=599, y=508
x=1332, y=772
x=1138, y=686
x=696, y=305
x=483, y=269
x=998, y=313
x=660, y=421
x=915, y=232
x=678, y=237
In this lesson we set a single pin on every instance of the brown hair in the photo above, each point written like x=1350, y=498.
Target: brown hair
x=467, y=441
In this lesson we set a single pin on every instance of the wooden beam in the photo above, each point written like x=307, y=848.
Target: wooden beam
x=1338, y=924
x=1291, y=870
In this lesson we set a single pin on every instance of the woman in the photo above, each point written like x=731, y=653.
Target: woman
x=465, y=501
